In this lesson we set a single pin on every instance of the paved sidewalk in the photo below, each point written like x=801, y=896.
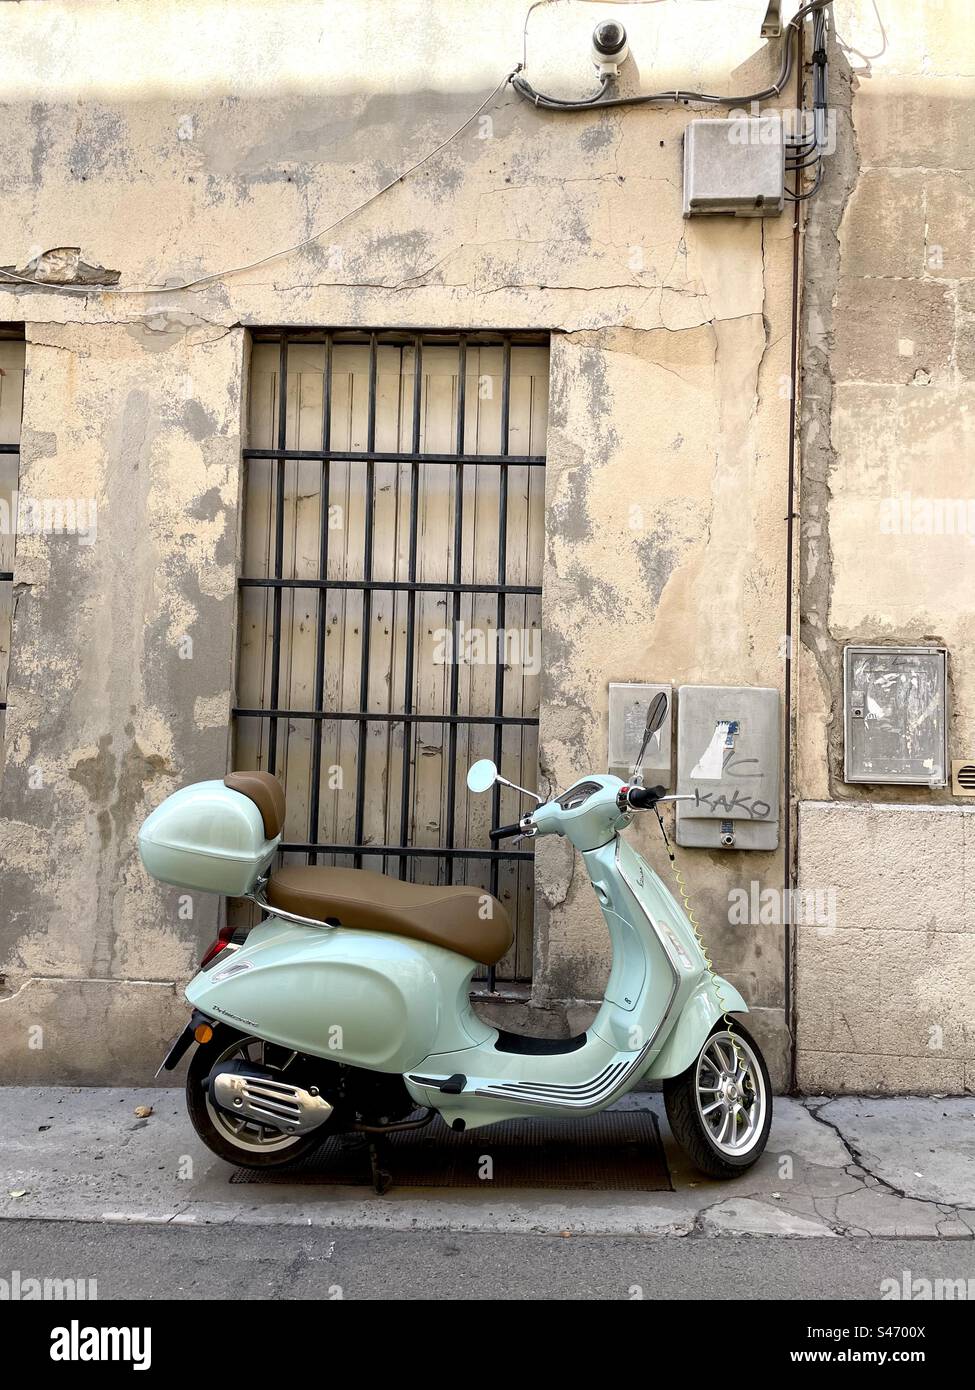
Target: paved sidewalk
x=847, y=1167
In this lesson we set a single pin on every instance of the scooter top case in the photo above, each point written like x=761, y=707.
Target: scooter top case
x=212, y=836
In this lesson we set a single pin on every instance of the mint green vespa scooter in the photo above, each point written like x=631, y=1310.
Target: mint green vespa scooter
x=348, y=1007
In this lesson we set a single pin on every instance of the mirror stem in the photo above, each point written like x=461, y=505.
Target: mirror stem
x=515, y=787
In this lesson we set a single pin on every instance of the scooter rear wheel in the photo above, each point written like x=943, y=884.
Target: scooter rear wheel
x=247, y=1144
x=720, y=1108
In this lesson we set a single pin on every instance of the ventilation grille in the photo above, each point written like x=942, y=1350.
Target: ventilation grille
x=963, y=778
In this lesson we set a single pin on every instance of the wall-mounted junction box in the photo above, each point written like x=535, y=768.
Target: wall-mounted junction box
x=734, y=165
x=894, y=715
x=628, y=705
x=728, y=760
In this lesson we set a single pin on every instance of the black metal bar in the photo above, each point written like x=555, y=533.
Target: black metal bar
x=312, y=336
x=6, y=574
x=451, y=808
x=9, y=448
x=314, y=807
x=374, y=456
x=436, y=587
x=272, y=747
x=408, y=743
x=502, y=615
x=360, y=786
x=381, y=717
x=412, y=851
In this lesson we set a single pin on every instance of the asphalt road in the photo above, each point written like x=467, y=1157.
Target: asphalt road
x=293, y=1262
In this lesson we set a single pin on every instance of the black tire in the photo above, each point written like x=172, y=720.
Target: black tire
x=689, y=1127
x=203, y=1060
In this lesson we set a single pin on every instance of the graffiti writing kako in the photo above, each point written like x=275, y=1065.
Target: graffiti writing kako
x=737, y=803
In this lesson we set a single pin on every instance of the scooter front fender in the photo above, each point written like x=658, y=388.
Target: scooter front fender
x=697, y=1018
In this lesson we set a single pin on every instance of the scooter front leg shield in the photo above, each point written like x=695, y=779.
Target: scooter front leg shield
x=698, y=1016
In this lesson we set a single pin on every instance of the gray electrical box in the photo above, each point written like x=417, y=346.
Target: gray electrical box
x=628, y=705
x=734, y=165
x=895, y=716
x=728, y=761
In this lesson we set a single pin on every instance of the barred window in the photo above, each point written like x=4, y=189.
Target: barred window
x=390, y=598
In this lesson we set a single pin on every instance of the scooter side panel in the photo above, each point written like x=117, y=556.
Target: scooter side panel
x=697, y=1018
x=367, y=999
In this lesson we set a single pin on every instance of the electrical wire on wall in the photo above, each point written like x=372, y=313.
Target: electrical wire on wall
x=801, y=153
x=199, y=281
x=806, y=150
x=604, y=96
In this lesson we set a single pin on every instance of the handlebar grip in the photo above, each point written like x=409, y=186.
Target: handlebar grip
x=644, y=798
x=501, y=832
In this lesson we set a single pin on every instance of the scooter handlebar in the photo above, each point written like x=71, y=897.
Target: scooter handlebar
x=502, y=832
x=644, y=798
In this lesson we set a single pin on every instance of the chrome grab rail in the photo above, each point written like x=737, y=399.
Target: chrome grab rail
x=257, y=897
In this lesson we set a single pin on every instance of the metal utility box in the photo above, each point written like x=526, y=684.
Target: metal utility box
x=894, y=715
x=728, y=761
x=734, y=165
x=628, y=705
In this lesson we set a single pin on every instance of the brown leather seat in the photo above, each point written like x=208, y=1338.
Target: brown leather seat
x=267, y=794
x=466, y=920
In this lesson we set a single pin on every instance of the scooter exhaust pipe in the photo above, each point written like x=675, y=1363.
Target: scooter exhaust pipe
x=253, y=1093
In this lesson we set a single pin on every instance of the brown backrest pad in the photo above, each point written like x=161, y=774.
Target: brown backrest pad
x=449, y=917
x=267, y=794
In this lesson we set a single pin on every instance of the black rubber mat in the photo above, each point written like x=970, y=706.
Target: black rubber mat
x=617, y=1151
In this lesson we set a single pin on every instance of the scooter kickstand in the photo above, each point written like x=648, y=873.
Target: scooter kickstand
x=381, y=1180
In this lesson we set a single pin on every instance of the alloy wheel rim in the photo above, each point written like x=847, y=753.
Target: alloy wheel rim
x=729, y=1090
x=247, y=1135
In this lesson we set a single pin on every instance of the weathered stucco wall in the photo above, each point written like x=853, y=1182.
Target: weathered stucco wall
x=119, y=680
x=887, y=390
x=216, y=134
x=885, y=1002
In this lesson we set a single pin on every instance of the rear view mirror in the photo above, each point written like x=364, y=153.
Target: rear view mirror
x=482, y=775
x=655, y=715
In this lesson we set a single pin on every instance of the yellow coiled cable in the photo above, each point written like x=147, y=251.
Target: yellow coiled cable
x=696, y=928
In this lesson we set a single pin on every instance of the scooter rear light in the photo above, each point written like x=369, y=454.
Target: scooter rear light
x=224, y=939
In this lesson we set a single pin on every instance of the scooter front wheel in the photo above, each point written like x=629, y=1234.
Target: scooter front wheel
x=720, y=1108
x=246, y=1143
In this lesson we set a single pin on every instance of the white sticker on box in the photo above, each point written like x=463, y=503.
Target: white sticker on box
x=711, y=762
